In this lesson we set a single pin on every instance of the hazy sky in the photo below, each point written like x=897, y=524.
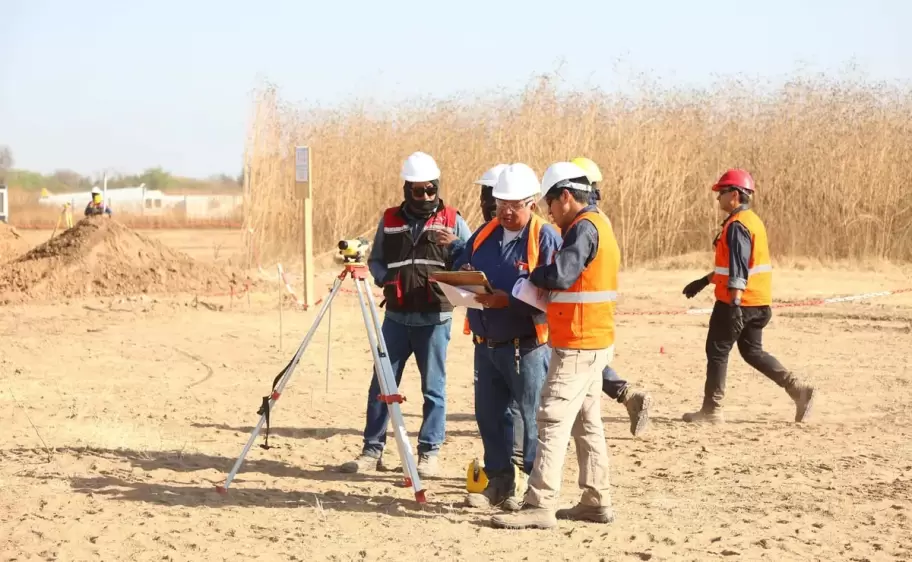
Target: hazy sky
x=90, y=84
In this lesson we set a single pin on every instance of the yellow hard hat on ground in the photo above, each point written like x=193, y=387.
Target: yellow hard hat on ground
x=590, y=167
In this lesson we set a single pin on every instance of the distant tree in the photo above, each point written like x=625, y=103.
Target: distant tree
x=6, y=158
x=155, y=178
x=68, y=178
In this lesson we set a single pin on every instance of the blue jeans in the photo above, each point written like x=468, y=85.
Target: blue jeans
x=613, y=385
x=429, y=344
x=498, y=385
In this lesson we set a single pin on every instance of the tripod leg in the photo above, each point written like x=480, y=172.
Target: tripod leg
x=390, y=390
x=280, y=386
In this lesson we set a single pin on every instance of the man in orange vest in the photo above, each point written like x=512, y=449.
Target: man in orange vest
x=582, y=283
x=510, y=336
x=637, y=402
x=743, y=289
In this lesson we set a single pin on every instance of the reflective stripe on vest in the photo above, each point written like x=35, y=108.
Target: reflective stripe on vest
x=758, y=291
x=532, y=250
x=583, y=297
x=416, y=261
x=582, y=317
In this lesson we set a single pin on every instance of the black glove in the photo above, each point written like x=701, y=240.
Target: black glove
x=695, y=287
x=736, y=321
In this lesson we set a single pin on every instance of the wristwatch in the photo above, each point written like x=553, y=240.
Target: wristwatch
x=736, y=301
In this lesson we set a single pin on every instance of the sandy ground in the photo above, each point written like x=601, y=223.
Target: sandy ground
x=120, y=416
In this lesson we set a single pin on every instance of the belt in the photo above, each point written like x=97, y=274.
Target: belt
x=515, y=342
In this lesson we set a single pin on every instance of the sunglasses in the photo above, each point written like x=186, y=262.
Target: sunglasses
x=419, y=191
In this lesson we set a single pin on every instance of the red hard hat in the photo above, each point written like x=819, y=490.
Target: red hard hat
x=735, y=178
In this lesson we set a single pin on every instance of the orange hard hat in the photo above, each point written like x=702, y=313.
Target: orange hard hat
x=735, y=177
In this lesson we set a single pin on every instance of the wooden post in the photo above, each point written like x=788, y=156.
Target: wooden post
x=304, y=189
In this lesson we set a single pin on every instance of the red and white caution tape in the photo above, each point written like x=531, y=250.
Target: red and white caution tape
x=809, y=302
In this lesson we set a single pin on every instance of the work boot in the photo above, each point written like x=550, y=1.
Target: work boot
x=498, y=490
x=529, y=517
x=428, y=465
x=593, y=513
x=362, y=463
x=803, y=395
x=705, y=416
x=514, y=502
x=638, y=404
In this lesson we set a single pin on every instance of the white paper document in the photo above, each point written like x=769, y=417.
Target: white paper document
x=530, y=294
x=458, y=296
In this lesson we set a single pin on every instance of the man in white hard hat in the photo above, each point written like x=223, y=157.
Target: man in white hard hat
x=637, y=402
x=487, y=181
x=510, y=336
x=582, y=287
x=96, y=206
x=418, y=317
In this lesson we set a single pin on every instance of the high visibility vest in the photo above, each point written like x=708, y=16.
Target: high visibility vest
x=532, y=250
x=410, y=262
x=582, y=317
x=759, y=290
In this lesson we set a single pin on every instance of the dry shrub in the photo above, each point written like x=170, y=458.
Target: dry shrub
x=830, y=157
x=34, y=216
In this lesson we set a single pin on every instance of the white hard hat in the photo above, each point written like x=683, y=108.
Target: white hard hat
x=489, y=178
x=420, y=167
x=561, y=172
x=96, y=190
x=516, y=182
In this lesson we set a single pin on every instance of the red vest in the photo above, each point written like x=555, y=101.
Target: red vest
x=410, y=261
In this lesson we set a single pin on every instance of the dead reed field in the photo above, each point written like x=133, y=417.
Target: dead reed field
x=830, y=156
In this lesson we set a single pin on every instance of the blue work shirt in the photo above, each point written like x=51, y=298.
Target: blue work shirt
x=376, y=263
x=499, y=264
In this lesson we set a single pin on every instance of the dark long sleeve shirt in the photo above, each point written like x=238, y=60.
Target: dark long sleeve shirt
x=577, y=251
x=739, y=252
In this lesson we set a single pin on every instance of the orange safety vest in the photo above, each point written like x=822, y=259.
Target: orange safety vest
x=759, y=290
x=582, y=317
x=532, y=250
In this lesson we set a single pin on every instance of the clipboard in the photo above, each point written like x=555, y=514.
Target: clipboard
x=473, y=281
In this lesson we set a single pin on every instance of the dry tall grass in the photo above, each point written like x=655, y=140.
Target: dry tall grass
x=831, y=157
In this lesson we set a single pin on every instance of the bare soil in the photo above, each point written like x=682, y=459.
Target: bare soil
x=101, y=257
x=120, y=415
x=12, y=243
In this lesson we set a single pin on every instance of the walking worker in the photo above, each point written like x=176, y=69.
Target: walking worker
x=510, y=336
x=96, y=206
x=742, y=277
x=418, y=317
x=583, y=282
x=638, y=403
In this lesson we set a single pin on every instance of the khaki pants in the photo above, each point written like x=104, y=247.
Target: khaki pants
x=571, y=406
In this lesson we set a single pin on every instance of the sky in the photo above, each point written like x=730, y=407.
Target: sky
x=94, y=85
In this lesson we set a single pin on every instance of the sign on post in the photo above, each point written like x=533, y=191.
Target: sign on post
x=304, y=189
x=302, y=164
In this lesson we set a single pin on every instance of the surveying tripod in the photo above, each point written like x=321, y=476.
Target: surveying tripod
x=382, y=367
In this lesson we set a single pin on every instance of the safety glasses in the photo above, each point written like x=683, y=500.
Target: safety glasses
x=512, y=205
x=421, y=191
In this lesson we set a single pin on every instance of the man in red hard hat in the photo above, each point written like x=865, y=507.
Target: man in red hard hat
x=743, y=289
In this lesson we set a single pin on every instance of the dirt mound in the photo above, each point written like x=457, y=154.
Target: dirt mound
x=12, y=244
x=101, y=257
